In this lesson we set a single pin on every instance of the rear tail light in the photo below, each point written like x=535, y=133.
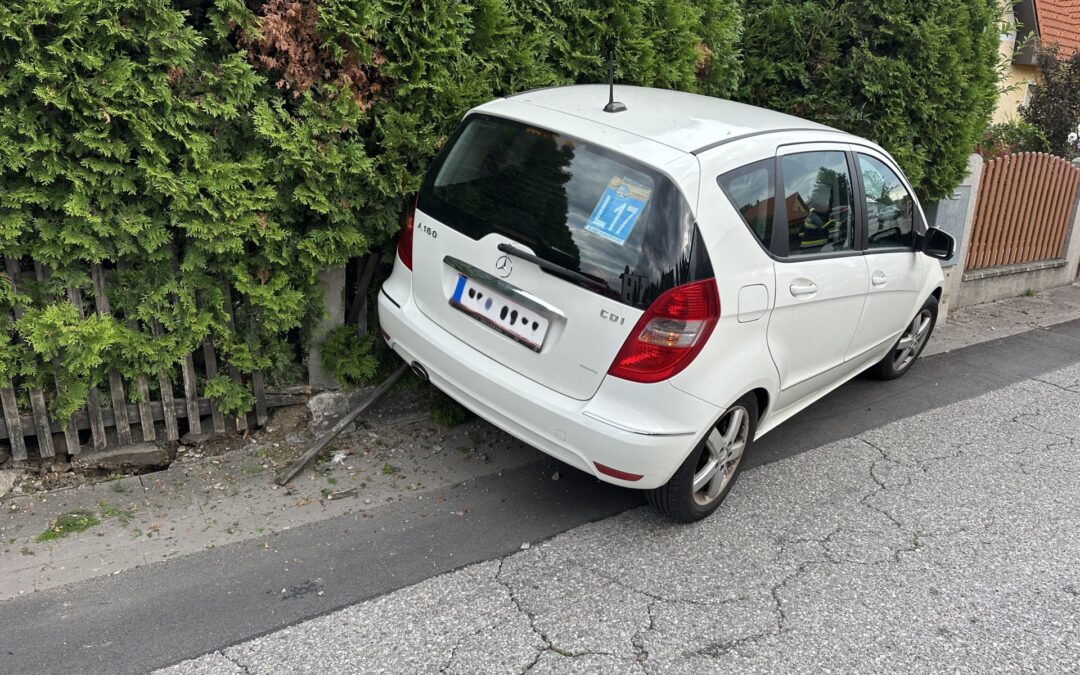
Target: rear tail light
x=670, y=333
x=405, y=242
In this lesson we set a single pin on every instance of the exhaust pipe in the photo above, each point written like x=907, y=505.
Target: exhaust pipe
x=420, y=371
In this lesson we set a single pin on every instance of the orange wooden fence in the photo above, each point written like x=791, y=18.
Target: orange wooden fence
x=1024, y=210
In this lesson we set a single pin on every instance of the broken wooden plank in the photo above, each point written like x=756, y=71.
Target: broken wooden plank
x=168, y=404
x=71, y=433
x=258, y=387
x=116, y=383
x=41, y=423
x=93, y=403
x=12, y=421
x=210, y=363
x=348, y=418
x=146, y=415
x=240, y=421
x=37, y=398
x=142, y=386
x=8, y=402
x=191, y=396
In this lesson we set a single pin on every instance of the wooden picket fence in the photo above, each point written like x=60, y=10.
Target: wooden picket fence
x=1025, y=206
x=111, y=420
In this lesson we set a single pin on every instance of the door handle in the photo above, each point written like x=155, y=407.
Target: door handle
x=802, y=287
x=878, y=278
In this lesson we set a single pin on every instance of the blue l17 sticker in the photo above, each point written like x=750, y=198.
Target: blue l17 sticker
x=618, y=210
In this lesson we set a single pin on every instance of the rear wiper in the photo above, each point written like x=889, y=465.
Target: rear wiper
x=557, y=270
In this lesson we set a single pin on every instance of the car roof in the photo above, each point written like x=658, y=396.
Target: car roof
x=688, y=122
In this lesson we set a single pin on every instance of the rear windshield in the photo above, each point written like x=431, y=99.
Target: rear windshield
x=573, y=203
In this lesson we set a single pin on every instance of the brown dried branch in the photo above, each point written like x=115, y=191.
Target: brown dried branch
x=288, y=45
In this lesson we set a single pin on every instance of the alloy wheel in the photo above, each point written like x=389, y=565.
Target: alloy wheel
x=721, y=456
x=912, y=341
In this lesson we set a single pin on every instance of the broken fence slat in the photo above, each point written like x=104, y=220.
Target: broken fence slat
x=210, y=363
x=41, y=424
x=142, y=386
x=349, y=417
x=168, y=408
x=13, y=421
x=146, y=416
x=37, y=398
x=72, y=445
x=168, y=403
x=97, y=423
x=191, y=396
x=116, y=383
x=240, y=421
x=258, y=386
x=7, y=391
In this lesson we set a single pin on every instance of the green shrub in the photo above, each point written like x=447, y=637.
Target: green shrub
x=348, y=358
x=920, y=79
x=1054, y=103
x=1012, y=137
x=445, y=411
x=256, y=143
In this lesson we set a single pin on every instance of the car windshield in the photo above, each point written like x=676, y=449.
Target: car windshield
x=575, y=204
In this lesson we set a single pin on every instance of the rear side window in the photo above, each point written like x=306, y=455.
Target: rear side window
x=752, y=190
x=889, y=206
x=573, y=203
x=819, y=204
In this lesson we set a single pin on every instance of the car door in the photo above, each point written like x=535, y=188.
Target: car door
x=821, y=278
x=892, y=218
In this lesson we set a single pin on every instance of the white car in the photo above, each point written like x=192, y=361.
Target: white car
x=625, y=291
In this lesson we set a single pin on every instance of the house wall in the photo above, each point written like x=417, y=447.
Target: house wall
x=1016, y=84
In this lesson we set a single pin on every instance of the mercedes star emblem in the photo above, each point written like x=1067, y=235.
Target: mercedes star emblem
x=504, y=266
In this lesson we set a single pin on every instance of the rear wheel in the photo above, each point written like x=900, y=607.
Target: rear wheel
x=911, y=343
x=708, y=474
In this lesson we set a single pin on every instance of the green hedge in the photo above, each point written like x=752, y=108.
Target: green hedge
x=919, y=78
x=255, y=143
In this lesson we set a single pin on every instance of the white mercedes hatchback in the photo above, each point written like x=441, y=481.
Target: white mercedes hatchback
x=642, y=293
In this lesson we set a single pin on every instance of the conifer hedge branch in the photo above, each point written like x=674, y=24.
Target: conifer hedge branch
x=202, y=142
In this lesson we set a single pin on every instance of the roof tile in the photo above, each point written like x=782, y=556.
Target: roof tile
x=1059, y=22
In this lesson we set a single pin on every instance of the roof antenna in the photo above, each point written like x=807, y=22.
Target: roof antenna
x=612, y=106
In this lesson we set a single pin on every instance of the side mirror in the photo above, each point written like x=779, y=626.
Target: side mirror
x=938, y=244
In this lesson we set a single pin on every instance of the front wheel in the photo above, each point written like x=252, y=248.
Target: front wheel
x=911, y=343
x=707, y=475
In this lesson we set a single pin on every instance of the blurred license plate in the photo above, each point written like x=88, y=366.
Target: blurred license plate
x=499, y=312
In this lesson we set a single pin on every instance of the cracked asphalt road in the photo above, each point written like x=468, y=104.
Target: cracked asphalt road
x=946, y=541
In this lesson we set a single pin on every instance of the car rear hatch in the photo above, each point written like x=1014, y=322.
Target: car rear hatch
x=542, y=250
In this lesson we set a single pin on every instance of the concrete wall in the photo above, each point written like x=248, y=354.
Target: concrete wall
x=955, y=216
x=332, y=282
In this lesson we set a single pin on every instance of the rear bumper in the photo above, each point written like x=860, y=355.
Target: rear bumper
x=644, y=429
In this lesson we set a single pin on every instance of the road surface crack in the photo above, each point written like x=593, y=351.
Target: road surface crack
x=236, y=662
x=1057, y=386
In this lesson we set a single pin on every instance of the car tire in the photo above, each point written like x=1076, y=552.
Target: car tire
x=693, y=492
x=911, y=343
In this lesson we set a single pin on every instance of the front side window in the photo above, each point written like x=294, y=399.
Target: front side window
x=819, y=204
x=752, y=190
x=889, y=206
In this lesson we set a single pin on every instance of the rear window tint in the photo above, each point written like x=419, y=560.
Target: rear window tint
x=752, y=191
x=573, y=203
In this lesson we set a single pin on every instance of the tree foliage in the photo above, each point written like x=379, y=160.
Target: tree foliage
x=1054, y=102
x=1012, y=137
x=253, y=143
x=920, y=79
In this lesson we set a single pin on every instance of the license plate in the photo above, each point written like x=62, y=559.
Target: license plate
x=501, y=313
